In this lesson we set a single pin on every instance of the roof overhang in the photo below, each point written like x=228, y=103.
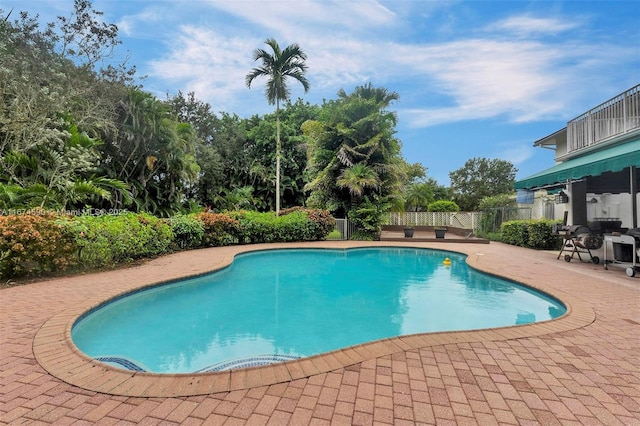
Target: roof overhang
x=552, y=139
x=610, y=159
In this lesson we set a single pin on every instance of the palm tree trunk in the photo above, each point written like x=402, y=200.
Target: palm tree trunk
x=277, y=157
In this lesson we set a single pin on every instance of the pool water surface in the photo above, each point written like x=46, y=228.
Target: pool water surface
x=278, y=305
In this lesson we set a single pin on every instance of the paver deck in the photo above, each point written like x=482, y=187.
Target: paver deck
x=583, y=368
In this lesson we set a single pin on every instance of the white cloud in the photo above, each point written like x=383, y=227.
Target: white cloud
x=525, y=25
x=486, y=78
x=295, y=18
x=517, y=152
x=207, y=60
x=207, y=63
x=519, y=79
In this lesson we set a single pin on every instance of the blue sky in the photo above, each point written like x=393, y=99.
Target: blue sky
x=475, y=78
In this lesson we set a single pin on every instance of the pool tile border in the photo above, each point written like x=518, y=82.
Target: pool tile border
x=56, y=353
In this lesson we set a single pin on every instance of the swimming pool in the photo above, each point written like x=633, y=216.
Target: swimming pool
x=282, y=304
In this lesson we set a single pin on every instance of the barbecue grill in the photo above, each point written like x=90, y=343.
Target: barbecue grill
x=626, y=248
x=578, y=239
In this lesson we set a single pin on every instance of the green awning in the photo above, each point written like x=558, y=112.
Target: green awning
x=612, y=159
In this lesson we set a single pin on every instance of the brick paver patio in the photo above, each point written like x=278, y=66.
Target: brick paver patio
x=581, y=369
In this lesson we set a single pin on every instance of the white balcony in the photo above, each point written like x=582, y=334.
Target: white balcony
x=616, y=117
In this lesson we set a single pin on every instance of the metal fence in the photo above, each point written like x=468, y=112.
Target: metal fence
x=492, y=219
x=345, y=228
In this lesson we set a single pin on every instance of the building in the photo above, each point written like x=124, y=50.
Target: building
x=595, y=180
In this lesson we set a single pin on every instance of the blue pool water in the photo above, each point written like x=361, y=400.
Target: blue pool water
x=282, y=304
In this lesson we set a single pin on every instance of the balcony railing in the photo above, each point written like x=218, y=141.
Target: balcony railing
x=615, y=117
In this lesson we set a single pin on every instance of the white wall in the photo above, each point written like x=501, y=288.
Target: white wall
x=606, y=207
x=611, y=206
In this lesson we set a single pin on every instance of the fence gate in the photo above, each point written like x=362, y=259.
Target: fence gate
x=463, y=220
x=345, y=228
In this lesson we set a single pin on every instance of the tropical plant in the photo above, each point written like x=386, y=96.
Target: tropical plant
x=357, y=178
x=57, y=175
x=53, y=100
x=418, y=195
x=443, y=206
x=354, y=160
x=278, y=67
x=153, y=152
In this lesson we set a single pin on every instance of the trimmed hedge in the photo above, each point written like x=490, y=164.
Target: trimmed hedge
x=536, y=234
x=40, y=244
x=188, y=231
x=324, y=222
x=220, y=229
x=108, y=240
x=34, y=244
x=296, y=224
x=443, y=206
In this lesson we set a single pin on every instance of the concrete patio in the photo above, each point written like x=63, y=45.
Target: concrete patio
x=583, y=368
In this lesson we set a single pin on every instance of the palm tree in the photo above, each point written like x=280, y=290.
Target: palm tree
x=277, y=67
x=418, y=195
x=357, y=179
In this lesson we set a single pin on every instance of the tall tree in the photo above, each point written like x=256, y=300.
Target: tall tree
x=53, y=103
x=354, y=160
x=479, y=178
x=278, y=66
x=261, y=137
x=151, y=151
x=215, y=170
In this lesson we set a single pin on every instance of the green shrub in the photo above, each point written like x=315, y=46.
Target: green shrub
x=108, y=240
x=188, y=232
x=220, y=229
x=362, y=236
x=536, y=234
x=324, y=222
x=515, y=233
x=443, y=206
x=541, y=236
x=40, y=244
x=367, y=220
x=334, y=235
x=295, y=224
x=254, y=227
x=34, y=245
x=492, y=236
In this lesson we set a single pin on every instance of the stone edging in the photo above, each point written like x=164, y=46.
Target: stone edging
x=56, y=353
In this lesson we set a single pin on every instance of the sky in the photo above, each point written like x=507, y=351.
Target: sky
x=474, y=78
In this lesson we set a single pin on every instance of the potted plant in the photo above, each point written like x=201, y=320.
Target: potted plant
x=408, y=230
x=440, y=232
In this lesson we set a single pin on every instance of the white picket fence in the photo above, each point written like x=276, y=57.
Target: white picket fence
x=464, y=220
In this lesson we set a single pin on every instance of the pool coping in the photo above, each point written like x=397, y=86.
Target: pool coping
x=54, y=350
